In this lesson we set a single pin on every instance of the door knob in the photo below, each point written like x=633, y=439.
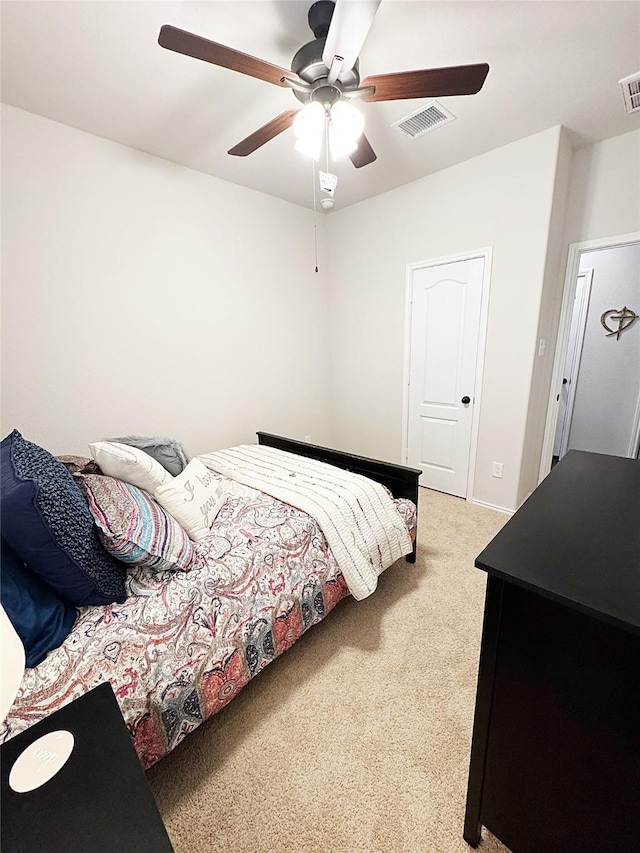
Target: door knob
x=465, y=400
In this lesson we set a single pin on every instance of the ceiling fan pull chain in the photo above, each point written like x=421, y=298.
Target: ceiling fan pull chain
x=315, y=212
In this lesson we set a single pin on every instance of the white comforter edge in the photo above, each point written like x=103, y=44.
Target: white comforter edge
x=359, y=520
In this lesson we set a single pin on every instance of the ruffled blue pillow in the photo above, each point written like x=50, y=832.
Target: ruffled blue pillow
x=47, y=522
x=40, y=617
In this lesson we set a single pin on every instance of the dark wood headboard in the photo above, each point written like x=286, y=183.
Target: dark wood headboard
x=401, y=481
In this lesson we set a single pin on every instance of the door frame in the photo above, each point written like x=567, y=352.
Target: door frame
x=486, y=254
x=562, y=340
x=576, y=356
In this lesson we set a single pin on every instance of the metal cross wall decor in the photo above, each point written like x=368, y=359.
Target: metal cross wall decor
x=624, y=317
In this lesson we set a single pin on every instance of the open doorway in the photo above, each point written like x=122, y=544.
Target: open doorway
x=595, y=399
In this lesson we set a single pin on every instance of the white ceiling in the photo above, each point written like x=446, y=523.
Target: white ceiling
x=96, y=65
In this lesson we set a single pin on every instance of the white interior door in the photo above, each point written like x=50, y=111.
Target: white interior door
x=446, y=303
x=572, y=363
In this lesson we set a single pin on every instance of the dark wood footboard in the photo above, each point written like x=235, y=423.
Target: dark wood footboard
x=401, y=481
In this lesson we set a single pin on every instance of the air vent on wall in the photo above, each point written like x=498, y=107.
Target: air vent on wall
x=424, y=120
x=631, y=92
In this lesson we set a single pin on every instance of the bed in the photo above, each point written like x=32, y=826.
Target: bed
x=184, y=643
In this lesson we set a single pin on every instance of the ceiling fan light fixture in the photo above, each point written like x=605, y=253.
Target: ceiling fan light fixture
x=326, y=73
x=346, y=126
x=308, y=127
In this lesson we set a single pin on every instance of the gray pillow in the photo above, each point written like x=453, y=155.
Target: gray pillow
x=169, y=453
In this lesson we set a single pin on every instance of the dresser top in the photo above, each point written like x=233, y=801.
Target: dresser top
x=577, y=538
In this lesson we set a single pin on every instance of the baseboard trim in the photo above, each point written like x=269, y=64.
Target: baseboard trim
x=493, y=506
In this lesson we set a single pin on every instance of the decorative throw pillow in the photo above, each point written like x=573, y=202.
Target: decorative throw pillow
x=129, y=464
x=79, y=464
x=133, y=527
x=46, y=520
x=193, y=498
x=168, y=452
x=39, y=616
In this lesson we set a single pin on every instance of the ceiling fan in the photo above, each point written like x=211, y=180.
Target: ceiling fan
x=325, y=71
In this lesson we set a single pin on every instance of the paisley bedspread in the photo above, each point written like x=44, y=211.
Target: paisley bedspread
x=184, y=644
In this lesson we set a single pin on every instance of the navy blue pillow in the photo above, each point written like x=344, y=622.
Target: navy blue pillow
x=47, y=522
x=40, y=617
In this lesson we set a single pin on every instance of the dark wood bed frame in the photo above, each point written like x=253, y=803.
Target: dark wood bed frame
x=401, y=481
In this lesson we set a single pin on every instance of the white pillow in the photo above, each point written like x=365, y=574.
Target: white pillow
x=129, y=464
x=193, y=498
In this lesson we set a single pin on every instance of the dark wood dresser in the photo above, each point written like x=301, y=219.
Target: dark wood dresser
x=555, y=757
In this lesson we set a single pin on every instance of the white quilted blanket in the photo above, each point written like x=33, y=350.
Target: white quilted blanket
x=359, y=520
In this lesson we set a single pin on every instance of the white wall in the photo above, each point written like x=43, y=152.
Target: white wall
x=604, y=190
x=142, y=297
x=603, y=201
x=550, y=304
x=502, y=199
x=608, y=384
x=139, y=296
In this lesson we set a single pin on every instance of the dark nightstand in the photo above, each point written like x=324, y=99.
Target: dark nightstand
x=99, y=802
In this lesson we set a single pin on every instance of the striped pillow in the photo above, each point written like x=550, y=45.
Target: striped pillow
x=133, y=527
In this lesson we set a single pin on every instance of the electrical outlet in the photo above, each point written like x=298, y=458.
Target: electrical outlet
x=496, y=469
x=307, y=438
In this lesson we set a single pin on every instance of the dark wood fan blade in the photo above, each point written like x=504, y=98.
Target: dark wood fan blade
x=427, y=83
x=218, y=54
x=264, y=134
x=364, y=153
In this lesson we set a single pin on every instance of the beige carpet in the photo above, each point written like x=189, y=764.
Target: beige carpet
x=357, y=739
